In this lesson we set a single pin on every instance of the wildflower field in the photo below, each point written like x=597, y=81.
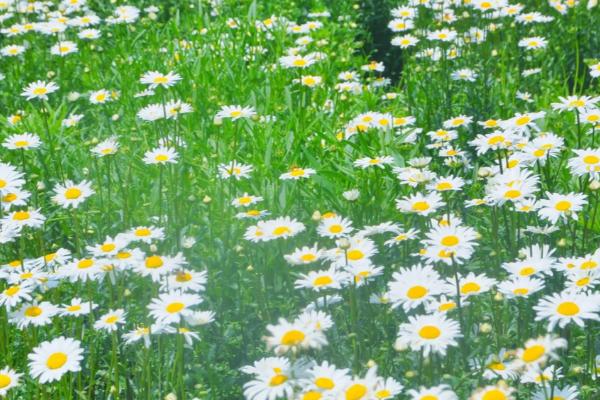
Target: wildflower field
x=300, y=200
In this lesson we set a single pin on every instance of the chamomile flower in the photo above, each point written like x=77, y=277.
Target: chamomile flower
x=321, y=280
x=499, y=391
x=561, y=206
x=49, y=361
x=538, y=351
x=563, y=308
x=440, y=392
x=22, y=141
x=533, y=43
x=586, y=162
x=111, y=320
x=235, y=170
x=34, y=314
x=77, y=307
x=286, y=336
x=282, y=227
x=15, y=294
x=39, y=90
x=161, y=155
x=70, y=194
x=156, y=266
x=411, y=287
x=420, y=204
x=155, y=79
x=273, y=378
x=107, y=147
x=335, y=227
x=146, y=234
x=64, y=48
x=186, y=280
x=520, y=287
x=305, y=255
x=170, y=308
x=454, y=240
x=235, y=112
x=297, y=173
x=9, y=379
x=379, y=162
x=429, y=333
x=24, y=218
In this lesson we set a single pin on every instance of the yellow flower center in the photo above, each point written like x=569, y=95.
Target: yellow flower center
x=308, y=257
x=416, y=292
x=300, y=62
x=512, y=194
x=494, y=394
x=74, y=308
x=523, y=120
x=161, y=158
x=430, y=332
x=85, y=263
x=520, y=291
x=568, y=309
x=526, y=271
x=356, y=392
x=533, y=353
x=293, y=338
x=355, y=255
x=297, y=172
x=183, y=277
x=336, y=228
x=33, y=311
x=563, y=205
x=72, y=193
x=11, y=291
x=161, y=79
x=450, y=240
x=312, y=395
x=420, y=206
x=21, y=216
x=40, y=91
x=154, y=262
x=323, y=281
x=56, y=360
x=108, y=247
x=470, y=287
x=281, y=230
x=4, y=381
x=324, y=383
x=175, y=307
x=112, y=319
x=591, y=159
x=277, y=380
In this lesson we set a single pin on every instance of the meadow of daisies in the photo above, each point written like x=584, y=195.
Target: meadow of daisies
x=300, y=199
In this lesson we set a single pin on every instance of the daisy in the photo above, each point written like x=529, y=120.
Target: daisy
x=461, y=120
x=533, y=43
x=246, y=200
x=186, y=280
x=157, y=266
x=586, y=162
x=72, y=194
x=71, y=120
x=111, y=320
x=444, y=35
x=12, y=50
x=335, y=227
x=523, y=123
x=559, y=393
x=440, y=392
x=176, y=108
x=282, y=227
x=561, y=206
x=77, y=307
x=420, y=204
x=100, y=96
x=155, y=79
x=286, y=336
x=272, y=379
x=49, y=361
x=575, y=103
x=106, y=147
x=512, y=185
x=520, y=287
x=305, y=255
x=363, y=273
x=14, y=294
x=498, y=392
x=199, y=318
x=34, y=314
x=63, y=48
x=454, y=240
x=23, y=141
x=297, y=173
x=322, y=280
x=39, y=90
x=171, y=307
x=146, y=234
x=538, y=351
x=235, y=170
x=161, y=155
x=83, y=269
x=563, y=308
x=311, y=80
x=405, y=41
x=430, y=333
x=9, y=379
x=411, y=287
x=379, y=162
x=235, y=112
x=445, y=184
x=352, y=251
x=297, y=61
x=326, y=378
x=471, y=284
x=24, y=218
